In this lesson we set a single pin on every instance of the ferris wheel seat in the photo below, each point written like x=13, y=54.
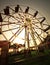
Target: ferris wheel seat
x=6, y=10
x=17, y=8
x=27, y=9
x=1, y=18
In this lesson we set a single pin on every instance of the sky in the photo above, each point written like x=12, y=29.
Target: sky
x=43, y=6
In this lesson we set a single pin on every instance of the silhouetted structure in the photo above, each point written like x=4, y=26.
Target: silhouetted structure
x=4, y=45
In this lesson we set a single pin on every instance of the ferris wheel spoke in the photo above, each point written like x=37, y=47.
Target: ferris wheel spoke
x=46, y=24
x=37, y=27
x=16, y=34
x=10, y=29
x=10, y=23
x=12, y=9
x=32, y=35
x=34, y=22
x=48, y=28
x=38, y=36
x=44, y=30
x=41, y=30
x=21, y=9
x=9, y=16
x=4, y=36
x=17, y=19
x=34, y=41
x=21, y=17
x=4, y=17
x=26, y=42
x=42, y=19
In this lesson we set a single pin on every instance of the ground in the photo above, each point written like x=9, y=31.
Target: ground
x=34, y=59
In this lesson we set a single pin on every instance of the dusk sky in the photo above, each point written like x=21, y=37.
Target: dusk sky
x=43, y=6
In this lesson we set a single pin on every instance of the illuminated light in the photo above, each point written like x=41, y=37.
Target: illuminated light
x=20, y=49
x=43, y=20
x=17, y=8
x=1, y=18
x=10, y=50
x=6, y=10
x=47, y=28
x=27, y=9
x=44, y=35
x=35, y=14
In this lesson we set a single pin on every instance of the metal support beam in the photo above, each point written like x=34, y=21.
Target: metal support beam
x=16, y=33
x=26, y=38
x=32, y=35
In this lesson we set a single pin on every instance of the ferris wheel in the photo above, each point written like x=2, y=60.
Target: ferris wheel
x=21, y=19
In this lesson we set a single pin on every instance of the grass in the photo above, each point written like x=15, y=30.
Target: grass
x=34, y=59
